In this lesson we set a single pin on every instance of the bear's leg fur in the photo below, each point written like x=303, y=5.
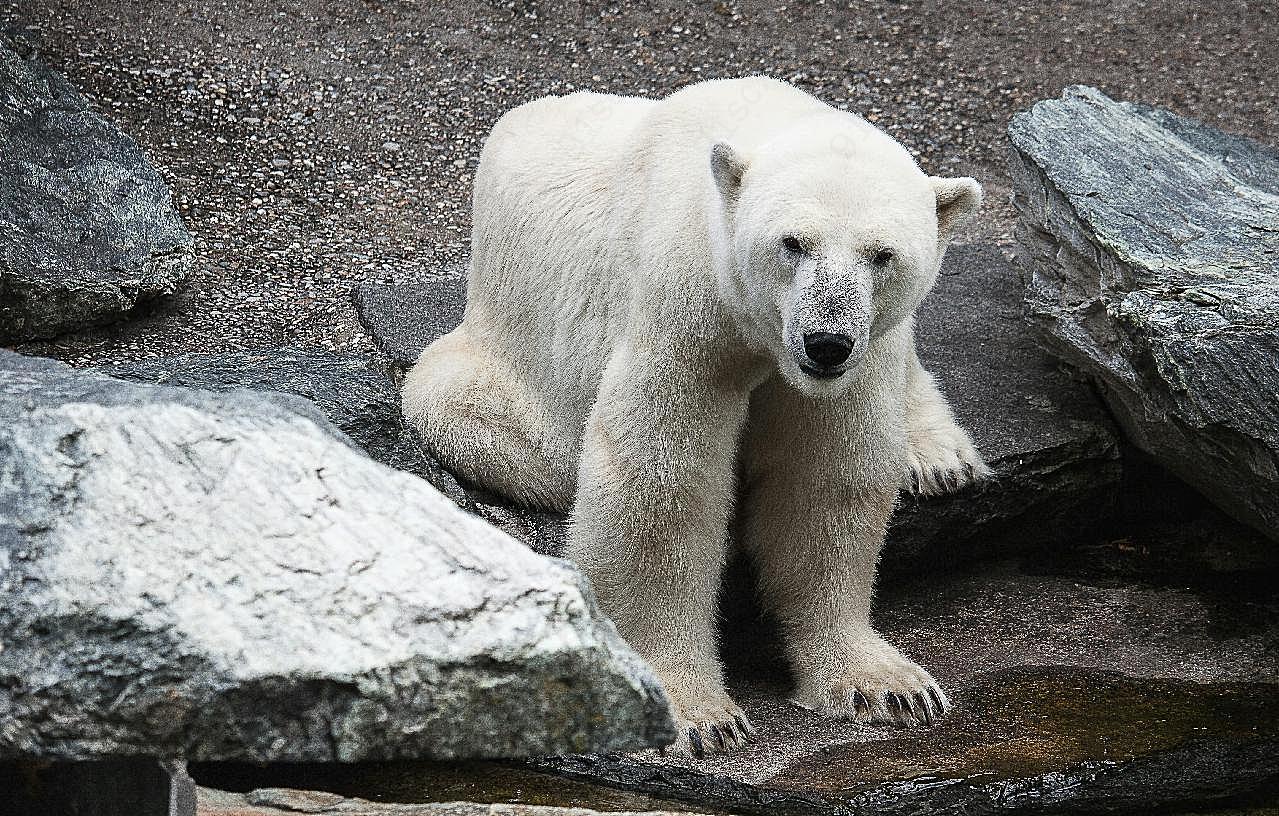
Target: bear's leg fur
x=821, y=480
x=942, y=456
x=477, y=417
x=655, y=492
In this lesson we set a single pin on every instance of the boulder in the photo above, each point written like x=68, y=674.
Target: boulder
x=88, y=230
x=224, y=576
x=1054, y=450
x=352, y=391
x=1151, y=252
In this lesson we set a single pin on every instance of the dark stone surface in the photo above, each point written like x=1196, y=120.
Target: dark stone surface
x=88, y=231
x=127, y=786
x=410, y=788
x=222, y=576
x=403, y=319
x=1049, y=440
x=1053, y=448
x=1151, y=248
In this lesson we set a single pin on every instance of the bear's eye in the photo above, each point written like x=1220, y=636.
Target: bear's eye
x=882, y=257
x=792, y=244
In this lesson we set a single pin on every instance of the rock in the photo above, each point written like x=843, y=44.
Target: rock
x=1047, y=437
x=1076, y=690
x=1151, y=248
x=88, y=231
x=283, y=801
x=223, y=576
x=404, y=318
x=351, y=391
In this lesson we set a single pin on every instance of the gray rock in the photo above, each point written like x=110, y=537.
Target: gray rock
x=283, y=801
x=1047, y=437
x=353, y=392
x=1151, y=245
x=404, y=318
x=223, y=576
x=1054, y=450
x=88, y=231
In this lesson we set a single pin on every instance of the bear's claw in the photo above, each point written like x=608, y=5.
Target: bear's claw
x=711, y=729
x=875, y=685
x=942, y=461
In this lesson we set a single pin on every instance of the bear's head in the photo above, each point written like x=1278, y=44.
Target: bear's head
x=827, y=237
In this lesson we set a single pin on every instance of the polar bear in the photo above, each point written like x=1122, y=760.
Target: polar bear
x=686, y=308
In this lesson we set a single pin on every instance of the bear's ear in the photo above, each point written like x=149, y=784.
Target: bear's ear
x=957, y=201
x=728, y=168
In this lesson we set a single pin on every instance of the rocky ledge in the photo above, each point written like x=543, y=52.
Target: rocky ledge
x=88, y=231
x=283, y=801
x=1151, y=248
x=224, y=576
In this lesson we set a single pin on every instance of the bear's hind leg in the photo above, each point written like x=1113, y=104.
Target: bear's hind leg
x=483, y=423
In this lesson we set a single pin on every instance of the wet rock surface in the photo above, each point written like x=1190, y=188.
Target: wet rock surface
x=1074, y=693
x=88, y=230
x=1151, y=245
x=1049, y=440
x=223, y=576
x=433, y=784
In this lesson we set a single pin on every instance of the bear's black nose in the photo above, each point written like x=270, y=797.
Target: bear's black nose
x=827, y=350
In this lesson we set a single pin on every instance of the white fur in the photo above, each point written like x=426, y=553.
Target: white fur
x=634, y=332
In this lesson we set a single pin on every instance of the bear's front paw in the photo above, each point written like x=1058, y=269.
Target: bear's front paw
x=942, y=460
x=709, y=723
x=880, y=685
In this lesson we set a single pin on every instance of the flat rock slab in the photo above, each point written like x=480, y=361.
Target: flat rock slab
x=282, y=801
x=1047, y=436
x=1151, y=246
x=224, y=576
x=88, y=230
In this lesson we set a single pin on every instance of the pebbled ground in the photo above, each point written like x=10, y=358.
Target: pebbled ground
x=312, y=145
